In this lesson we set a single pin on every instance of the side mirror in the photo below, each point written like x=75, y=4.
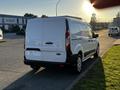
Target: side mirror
x=95, y=35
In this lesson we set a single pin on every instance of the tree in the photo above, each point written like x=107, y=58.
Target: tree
x=30, y=15
x=44, y=16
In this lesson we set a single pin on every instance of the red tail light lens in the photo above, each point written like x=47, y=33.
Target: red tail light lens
x=67, y=39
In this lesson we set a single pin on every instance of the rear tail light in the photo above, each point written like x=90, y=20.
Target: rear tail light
x=67, y=35
x=67, y=43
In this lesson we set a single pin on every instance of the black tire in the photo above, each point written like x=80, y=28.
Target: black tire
x=96, y=55
x=78, y=64
x=35, y=67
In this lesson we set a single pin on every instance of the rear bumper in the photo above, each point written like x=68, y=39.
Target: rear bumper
x=69, y=60
x=114, y=33
x=42, y=63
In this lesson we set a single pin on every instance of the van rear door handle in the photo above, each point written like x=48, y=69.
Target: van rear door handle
x=49, y=43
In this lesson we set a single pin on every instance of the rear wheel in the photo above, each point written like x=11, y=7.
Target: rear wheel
x=78, y=65
x=35, y=67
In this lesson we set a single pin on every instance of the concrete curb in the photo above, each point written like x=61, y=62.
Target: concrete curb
x=85, y=72
x=117, y=42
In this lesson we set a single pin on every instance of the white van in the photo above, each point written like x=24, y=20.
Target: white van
x=1, y=34
x=59, y=40
x=114, y=31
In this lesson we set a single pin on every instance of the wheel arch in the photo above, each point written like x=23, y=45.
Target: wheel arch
x=80, y=53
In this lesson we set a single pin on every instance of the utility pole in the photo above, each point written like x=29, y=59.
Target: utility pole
x=57, y=6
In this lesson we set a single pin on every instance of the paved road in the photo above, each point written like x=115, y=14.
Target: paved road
x=14, y=75
x=105, y=41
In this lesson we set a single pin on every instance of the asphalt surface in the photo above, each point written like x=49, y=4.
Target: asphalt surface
x=14, y=75
x=105, y=41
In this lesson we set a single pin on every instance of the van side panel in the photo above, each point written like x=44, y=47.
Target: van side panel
x=45, y=40
x=78, y=41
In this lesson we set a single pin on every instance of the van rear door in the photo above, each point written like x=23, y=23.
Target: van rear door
x=45, y=40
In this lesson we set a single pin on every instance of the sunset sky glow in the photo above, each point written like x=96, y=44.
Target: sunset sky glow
x=79, y=8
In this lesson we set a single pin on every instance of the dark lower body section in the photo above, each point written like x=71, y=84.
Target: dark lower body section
x=69, y=60
x=42, y=63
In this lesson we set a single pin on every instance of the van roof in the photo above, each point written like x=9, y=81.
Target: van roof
x=65, y=17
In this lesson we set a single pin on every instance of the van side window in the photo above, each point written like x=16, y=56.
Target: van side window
x=74, y=27
x=80, y=29
x=86, y=31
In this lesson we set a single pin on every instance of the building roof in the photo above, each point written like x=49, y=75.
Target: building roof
x=13, y=16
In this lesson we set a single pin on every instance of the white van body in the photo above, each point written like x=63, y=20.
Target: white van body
x=57, y=40
x=1, y=34
x=114, y=31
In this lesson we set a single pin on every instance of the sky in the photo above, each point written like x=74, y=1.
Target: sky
x=79, y=8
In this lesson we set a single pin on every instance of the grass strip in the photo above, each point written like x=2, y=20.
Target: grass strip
x=104, y=75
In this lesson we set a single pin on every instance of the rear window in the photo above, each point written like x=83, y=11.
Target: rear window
x=114, y=28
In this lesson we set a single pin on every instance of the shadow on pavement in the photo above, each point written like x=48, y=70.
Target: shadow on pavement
x=46, y=79
x=94, y=79
x=99, y=75
x=50, y=79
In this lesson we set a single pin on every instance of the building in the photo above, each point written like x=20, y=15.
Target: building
x=7, y=21
x=101, y=25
